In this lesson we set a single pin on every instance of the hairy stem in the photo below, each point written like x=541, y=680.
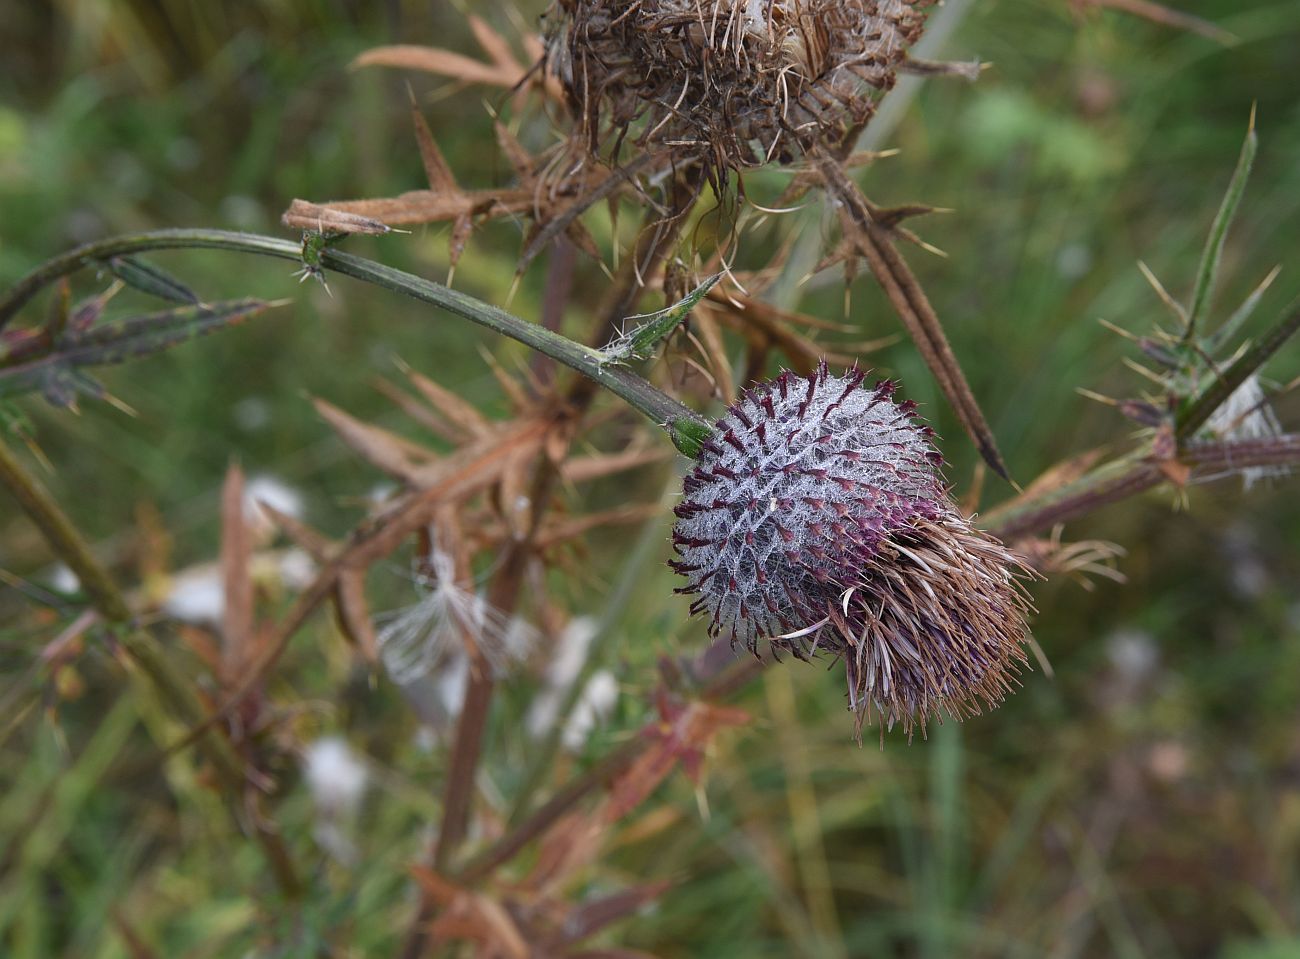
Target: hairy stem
x=1132, y=474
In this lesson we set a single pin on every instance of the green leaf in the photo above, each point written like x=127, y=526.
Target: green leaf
x=1198, y=409
x=144, y=276
x=689, y=436
x=1209, y=268
x=58, y=374
x=639, y=342
x=1235, y=322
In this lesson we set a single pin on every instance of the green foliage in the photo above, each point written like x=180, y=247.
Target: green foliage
x=1102, y=812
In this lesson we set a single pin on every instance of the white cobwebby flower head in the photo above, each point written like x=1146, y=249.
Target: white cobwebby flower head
x=798, y=471
x=816, y=519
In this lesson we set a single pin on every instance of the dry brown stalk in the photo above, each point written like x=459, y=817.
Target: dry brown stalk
x=875, y=244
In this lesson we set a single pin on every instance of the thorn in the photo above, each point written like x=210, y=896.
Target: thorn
x=514, y=288
x=1117, y=329
x=120, y=405
x=1161, y=292
x=1098, y=397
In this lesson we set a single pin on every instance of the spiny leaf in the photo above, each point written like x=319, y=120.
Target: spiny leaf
x=689, y=436
x=436, y=169
x=382, y=449
x=144, y=276
x=1243, y=313
x=353, y=613
x=56, y=320
x=1209, y=268
x=463, y=416
x=1197, y=410
x=121, y=340
x=639, y=342
x=57, y=369
x=87, y=313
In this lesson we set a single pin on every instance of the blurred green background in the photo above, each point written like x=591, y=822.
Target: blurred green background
x=1145, y=801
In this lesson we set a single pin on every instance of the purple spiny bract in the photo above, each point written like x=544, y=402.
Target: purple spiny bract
x=816, y=518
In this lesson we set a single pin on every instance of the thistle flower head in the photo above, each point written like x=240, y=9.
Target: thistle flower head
x=816, y=518
x=743, y=82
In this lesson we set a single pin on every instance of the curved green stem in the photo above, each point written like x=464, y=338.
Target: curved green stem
x=684, y=425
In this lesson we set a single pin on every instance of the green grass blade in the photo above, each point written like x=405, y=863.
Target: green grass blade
x=1243, y=313
x=1209, y=268
x=144, y=276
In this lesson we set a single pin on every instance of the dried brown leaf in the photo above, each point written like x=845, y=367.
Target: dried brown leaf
x=582, y=469
x=317, y=545
x=1062, y=474
x=514, y=391
x=319, y=218
x=237, y=581
x=462, y=415
x=592, y=193
x=417, y=411
x=353, y=612
x=520, y=160
x=472, y=470
x=573, y=842
x=680, y=738
x=441, y=62
x=461, y=228
x=715, y=352
x=493, y=44
x=382, y=449
x=594, y=915
x=560, y=531
x=911, y=304
x=431, y=206
x=436, y=169
x=1159, y=13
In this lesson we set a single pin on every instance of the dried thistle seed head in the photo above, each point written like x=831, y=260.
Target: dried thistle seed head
x=816, y=518
x=737, y=82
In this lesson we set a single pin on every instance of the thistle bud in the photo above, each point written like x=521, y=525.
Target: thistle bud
x=816, y=519
x=740, y=82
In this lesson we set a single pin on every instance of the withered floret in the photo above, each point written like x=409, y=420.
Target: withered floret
x=737, y=83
